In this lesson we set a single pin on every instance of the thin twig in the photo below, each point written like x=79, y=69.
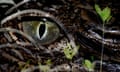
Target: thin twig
x=8, y=36
x=16, y=6
x=23, y=34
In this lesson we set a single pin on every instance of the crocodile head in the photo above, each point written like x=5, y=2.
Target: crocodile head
x=40, y=29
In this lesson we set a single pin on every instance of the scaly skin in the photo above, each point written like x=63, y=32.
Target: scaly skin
x=78, y=18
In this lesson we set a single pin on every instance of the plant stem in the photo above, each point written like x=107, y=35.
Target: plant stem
x=102, y=50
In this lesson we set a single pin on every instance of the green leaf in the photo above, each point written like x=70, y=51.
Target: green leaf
x=70, y=52
x=104, y=14
x=97, y=8
x=108, y=18
x=48, y=62
x=89, y=65
x=44, y=68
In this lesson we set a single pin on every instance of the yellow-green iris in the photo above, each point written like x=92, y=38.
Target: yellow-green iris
x=43, y=32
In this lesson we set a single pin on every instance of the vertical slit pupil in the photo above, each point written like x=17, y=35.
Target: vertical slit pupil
x=41, y=30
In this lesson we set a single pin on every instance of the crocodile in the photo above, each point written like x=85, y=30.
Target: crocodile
x=37, y=30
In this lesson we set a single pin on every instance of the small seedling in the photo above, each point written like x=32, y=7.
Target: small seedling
x=70, y=52
x=48, y=62
x=45, y=68
x=88, y=65
x=104, y=14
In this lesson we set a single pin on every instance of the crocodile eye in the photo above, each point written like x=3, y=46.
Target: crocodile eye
x=41, y=26
x=43, y=31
